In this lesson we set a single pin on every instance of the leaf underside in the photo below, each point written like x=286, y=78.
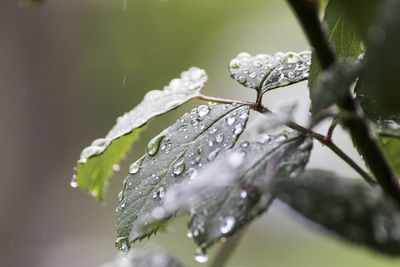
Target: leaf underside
x=349, y=208
x=173, y=156
x=97, y=160
x=265, y=72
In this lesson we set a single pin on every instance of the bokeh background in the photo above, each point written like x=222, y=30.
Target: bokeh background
x=69, y=67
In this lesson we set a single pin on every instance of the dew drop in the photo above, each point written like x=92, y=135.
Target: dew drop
x=189, y=234
x=116, y=167
x=153, y=95
x=234, y=64
x=200, y=257
x=178, y=168
x=263, y=138
x=244, y=144
x=198, y=160
x=228, y=225
x=230, y=120
x=122, y=243
x=219, y=138
x=134, y=168
x=73, y=183
x=154, y=145
x=242, y=80
x=243, y=194
x=202, y=110
x=210, y=143
x=120, y=196
x=213, y=130
x=281, y=138
x=213, y=155
x=244, y=115
x=237, y=129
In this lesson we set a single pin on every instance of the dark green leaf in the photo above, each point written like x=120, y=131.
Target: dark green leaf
x=172, y=157
x=334, y=85
x=382, y=64
x=350, y=208
x=231, y=191
x=343, y=35
x=148, y=259
x=97, y=161
x=264, y=72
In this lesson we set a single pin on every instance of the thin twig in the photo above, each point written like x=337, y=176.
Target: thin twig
x=359, y=128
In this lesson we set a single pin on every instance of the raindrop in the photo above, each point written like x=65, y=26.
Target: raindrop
x=200, y=256
x=242, y=80
x=252, y=74
x=154, y=145
x=228, y=225
x=230, y=120
x=73, y=183
x=153, y=95
x=122, y=243
x=237, y=129
x=120, y=196
x=189, y=234
x=210, y=143
x=203, y=110
x=281, y=138
x=199, y=150
x=197, y=74
x=134, y=168
x=244, y=144
x=178, y=168
x=198, y=160
x=175, y=85
x=213, y=130
x=213, y=155
x=99, y=142
x=161, y=192
x=219, y=138
x=263, y=138
x=89, y=152
x=116, y=168
x=244, y=115
x=290, y=75
x=243, y=194
x=234, y=64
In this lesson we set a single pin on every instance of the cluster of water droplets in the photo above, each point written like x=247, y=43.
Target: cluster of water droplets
x=281, y=69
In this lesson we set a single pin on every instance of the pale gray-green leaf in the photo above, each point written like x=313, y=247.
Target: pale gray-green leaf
x=350, y=208
x=97, y=161
x=173, y=156
x=231, y=191
x=147, y=259
x=334, y=85
x=344, y=36
x=264, y=72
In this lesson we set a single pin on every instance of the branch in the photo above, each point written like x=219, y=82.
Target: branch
x=359, y=129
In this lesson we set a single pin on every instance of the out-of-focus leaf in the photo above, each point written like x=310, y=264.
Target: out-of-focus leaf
x=382, y=62
x=352, y=209
x=97, y=161
x=334, y=85
x=264, y=72
x=148, y=259
x=171, y=157
x=391, y=146
x=231, y=191
x=343, y=35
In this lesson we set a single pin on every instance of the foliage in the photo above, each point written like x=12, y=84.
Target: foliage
x=198, y=165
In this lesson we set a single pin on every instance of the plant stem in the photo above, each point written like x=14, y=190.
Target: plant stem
x=321, y=138
x=359, y=129
x=227, y=249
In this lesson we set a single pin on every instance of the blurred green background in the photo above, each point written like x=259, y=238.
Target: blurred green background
x=69, y=67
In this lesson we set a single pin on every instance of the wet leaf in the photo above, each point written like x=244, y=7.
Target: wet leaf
x=349, y=208
x=147, y=259
x=97, y=161
x=334, y=85
x=264, y=72
x=231, y=191
x=173, y=156
x=343, y=35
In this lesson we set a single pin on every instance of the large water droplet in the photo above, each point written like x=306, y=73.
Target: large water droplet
x=89, y=152
x=219, y=138
x=228, y=225
x=242, y=80
x=263, y=138
x=178, y=168
x=203, y=110
x=154, y=145
x=135, y=167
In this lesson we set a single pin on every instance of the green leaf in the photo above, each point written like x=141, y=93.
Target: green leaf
x=382, y=63
x=349, y=208
x=391, y=147
x=232, y=190
x=173, y=156
x=97, y=161
x=343, y=35
x=147, y=259
x=264, y=72
x=251, y=168
x=334, y=85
